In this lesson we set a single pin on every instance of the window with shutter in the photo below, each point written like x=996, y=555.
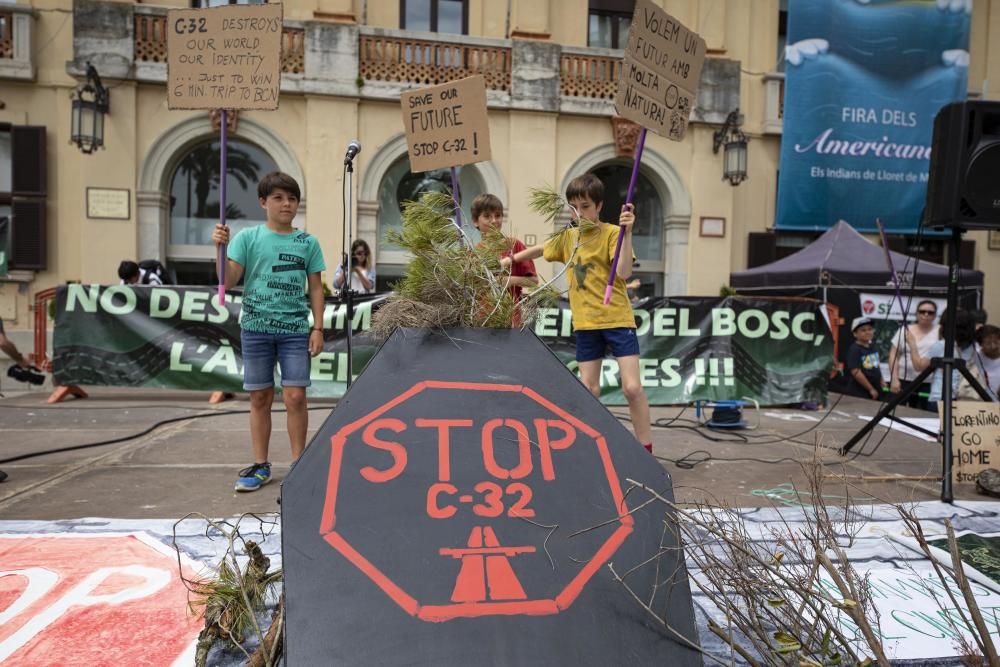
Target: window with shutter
x=27, y=237
x=23, y=186
x=29, y=177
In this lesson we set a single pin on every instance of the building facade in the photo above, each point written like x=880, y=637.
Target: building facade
x=152, y=190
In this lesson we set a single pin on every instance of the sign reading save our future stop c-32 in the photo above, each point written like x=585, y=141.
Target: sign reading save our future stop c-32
x=224, y=57
x=447, y=125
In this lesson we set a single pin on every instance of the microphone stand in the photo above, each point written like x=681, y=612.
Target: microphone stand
x=346, y=293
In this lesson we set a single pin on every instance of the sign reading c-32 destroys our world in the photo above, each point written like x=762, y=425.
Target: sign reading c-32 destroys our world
x=224, y=57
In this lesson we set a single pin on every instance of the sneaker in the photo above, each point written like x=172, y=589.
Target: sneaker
x=254, y=477
x=26, y=374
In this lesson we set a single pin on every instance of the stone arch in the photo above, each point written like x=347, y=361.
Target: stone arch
x=676, y=210
x=152, y=189
x=386, y=156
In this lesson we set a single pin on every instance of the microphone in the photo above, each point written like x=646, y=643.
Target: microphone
x=353, y=149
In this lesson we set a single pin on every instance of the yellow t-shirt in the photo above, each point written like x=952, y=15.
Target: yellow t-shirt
x=587, y=273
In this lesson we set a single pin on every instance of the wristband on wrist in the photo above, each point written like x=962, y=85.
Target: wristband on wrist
x=317, y=329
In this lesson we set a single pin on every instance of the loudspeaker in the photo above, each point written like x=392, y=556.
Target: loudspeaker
x=963, y=189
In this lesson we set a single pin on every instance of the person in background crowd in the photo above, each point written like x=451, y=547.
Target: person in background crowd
x=362, y=269
x=863, y=366
x=965, y=348
x=924, y=333
x=22, y=371
x=979, y=317
x=146, y=272
x=988, y=338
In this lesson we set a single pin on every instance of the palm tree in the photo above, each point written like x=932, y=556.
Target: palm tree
x=233, y=212
x=202, y=166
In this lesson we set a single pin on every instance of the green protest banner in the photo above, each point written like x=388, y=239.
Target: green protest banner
x=980, y=551
x=695, y=348
x=692, y=348
x=177, y=338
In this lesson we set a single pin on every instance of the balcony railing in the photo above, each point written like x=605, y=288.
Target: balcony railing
x=151, y=43
x=589, y=75
x=379, y=63
x=150, y=38
x=293, y=51
x=6, y=35
x=421, y=61
x=774, y=101
x=16, y=55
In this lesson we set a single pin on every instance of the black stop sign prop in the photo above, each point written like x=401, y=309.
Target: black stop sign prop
x=462, y=504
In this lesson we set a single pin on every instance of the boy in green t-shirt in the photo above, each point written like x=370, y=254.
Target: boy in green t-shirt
x=598, y=327
x=278, y=262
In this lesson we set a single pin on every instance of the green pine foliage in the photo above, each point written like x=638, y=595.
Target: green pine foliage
x=449, y=282
x=548, y=203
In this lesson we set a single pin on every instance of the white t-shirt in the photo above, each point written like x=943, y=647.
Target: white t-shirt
x=937, y=381
x=992, y=369
x=924, y=344
x=356, y=284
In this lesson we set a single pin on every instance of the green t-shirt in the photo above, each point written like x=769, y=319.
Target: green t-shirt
x=275, y=270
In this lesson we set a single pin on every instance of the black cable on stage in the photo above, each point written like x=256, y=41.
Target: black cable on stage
x=687, y=463
x=126, y=438
x=664, y=422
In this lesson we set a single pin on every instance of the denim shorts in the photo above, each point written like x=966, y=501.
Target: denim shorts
x=591, y=345
x=262, y=350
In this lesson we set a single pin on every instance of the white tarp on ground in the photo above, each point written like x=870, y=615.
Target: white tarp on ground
x=913, y=610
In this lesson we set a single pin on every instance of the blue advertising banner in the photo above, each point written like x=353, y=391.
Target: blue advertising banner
x=863, y=82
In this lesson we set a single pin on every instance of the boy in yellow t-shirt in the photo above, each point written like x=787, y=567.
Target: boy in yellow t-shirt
x=599, y=327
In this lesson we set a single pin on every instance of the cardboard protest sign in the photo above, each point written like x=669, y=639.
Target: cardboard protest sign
x=447, y=125
x=975, y=439
x=660, y=72
x=224, y=57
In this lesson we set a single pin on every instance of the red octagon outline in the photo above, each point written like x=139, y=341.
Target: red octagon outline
x=437, y=613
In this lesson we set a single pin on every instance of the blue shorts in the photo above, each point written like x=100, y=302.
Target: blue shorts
x=262, y=350
x=592, y=344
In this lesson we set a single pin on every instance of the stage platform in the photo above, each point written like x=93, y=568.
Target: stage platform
x=191, y=464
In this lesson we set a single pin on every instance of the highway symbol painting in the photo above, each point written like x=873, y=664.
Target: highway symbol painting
x=466, y=486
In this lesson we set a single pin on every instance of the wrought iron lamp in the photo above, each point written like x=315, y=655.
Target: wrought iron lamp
x=734, y=160
x=91, y=102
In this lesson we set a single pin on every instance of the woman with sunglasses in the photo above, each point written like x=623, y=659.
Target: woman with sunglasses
x=921, y=335
x=362, y=269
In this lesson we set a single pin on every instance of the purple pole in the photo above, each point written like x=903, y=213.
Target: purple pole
x=456, y=196
x=892, y=270
x=628, y=200
x=221, y=260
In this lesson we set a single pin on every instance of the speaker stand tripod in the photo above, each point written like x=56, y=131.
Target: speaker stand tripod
x=948, y=364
